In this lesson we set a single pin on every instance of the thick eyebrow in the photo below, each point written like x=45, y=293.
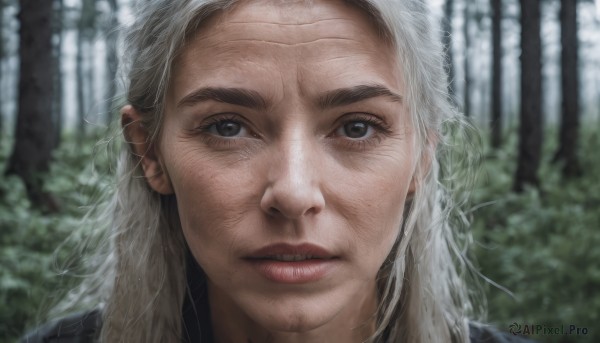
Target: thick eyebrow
x=351, y=95
x=235, y=96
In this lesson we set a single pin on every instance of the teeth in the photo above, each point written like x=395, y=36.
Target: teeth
x=290, y=258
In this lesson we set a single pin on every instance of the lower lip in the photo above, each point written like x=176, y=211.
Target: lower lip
x=294, y=272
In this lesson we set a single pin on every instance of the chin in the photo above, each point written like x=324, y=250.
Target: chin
x=293, y=316
x=296, y=322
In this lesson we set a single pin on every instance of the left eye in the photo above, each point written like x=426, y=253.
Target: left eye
x=355, y=129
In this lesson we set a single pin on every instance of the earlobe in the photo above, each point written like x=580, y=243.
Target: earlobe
x=138, y=138
x=414, y=184
x=412, y=188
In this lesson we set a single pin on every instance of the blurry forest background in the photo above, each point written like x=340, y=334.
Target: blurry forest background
x=526, y=72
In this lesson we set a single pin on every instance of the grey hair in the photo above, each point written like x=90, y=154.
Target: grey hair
x=139, y=277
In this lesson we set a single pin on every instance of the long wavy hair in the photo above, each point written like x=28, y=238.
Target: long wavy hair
x=138, y=273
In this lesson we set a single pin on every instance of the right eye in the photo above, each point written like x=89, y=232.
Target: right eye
x=225, y=128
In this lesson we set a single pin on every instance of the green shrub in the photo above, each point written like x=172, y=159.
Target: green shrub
x=541, y=244
x=34, y=251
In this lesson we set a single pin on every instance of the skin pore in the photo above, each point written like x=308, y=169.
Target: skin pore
x=285, y=123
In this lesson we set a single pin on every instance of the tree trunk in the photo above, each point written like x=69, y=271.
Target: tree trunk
x=91, y=92
x=1, y=63
x=496, y=122
x=81, y=104
x=112, y=61
x=85, y=34
x=530, y=131
x=58, y=88
x=467, y=90
x=598, y=97
x=569, y=129
x=447, y=40
x=34, y=130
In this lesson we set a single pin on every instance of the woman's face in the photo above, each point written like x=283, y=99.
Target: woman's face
x=286, y=138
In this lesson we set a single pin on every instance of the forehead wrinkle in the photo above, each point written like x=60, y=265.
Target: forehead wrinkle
x=227, y=24
x=318, y=21
x=213, y=38
x=318, y=40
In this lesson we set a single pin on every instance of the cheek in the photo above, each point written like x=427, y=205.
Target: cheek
x=371, y=205
x=212, y=199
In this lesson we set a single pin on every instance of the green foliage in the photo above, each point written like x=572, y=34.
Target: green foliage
x=540, y=244
x=33, y=252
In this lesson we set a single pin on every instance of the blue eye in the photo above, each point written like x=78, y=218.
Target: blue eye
x=226, y=128
x=356, y=129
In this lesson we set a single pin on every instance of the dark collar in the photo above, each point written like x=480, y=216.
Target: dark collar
x=195, y=311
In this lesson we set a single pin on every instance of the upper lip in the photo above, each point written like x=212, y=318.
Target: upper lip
x=305, y=249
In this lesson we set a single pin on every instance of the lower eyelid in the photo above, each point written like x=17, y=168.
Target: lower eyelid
x=362, y=144
x=359, y=143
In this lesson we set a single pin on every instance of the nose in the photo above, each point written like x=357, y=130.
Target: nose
x=293, y=190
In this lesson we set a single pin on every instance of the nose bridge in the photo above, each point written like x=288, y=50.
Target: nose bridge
x=293, y=188
x=294, y=159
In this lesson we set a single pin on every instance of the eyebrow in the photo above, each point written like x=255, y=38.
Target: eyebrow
x=235, y=96
x=351, y=95
x=252, y=99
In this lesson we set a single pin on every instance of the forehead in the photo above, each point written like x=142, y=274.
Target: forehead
x=295, y=21
x=332, y=39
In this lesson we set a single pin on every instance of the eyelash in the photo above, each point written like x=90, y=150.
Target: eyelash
x=381, y=129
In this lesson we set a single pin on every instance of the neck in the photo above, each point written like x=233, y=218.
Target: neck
x=353, y=324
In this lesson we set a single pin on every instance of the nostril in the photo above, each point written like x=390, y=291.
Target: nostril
x=284, y=201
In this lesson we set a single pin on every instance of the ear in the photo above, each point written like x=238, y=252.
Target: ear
x=424, y=164
x=414, y=184
x=138, y=138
